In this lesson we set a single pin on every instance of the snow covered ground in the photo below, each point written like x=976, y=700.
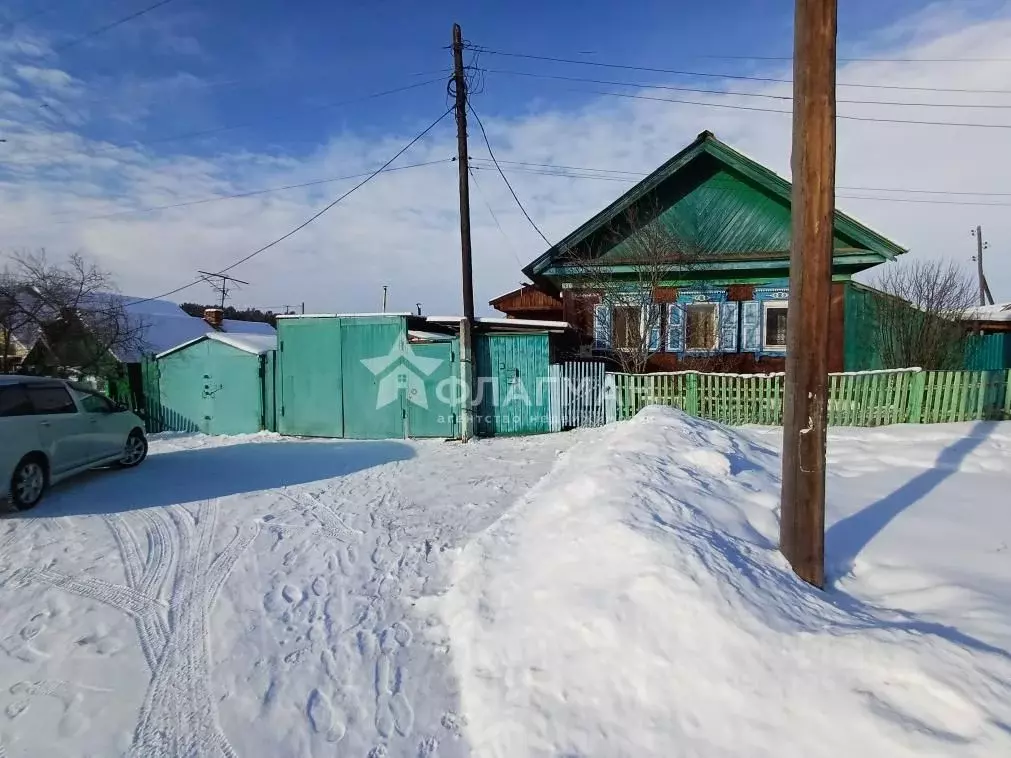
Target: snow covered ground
x=246, y=597
x=260, y=596
x=633, y=604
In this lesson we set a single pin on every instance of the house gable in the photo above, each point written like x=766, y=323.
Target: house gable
x=722, y=203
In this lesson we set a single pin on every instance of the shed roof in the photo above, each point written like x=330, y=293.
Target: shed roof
x=755, y=224
x=995, y=312
x=254, y=344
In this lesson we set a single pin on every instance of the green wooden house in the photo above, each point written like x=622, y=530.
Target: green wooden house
x=717, y=300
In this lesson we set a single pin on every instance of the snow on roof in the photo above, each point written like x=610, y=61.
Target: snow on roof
x=258, y=344
x=344, y=315
x=996, y=312
x=520, y=323
x=232, y=326
x=418, y=334
x=163, y=330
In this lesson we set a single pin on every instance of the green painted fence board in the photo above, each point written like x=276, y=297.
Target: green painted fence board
x=861, y=399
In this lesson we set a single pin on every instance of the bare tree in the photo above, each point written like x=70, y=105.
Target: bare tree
x=919, y=317
x=649, y=251
x=75, y=321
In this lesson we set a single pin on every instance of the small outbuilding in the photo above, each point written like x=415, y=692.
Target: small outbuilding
x=218, y=383
x=387, y=376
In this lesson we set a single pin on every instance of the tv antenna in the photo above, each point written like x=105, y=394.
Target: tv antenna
x=220, y=284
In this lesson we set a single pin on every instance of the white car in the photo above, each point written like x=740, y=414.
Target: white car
x=51, y=429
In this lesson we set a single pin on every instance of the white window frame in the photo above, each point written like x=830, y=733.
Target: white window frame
x=766, y=305
x=686, y=309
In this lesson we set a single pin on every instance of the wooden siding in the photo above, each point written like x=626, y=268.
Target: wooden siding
x=528, y=302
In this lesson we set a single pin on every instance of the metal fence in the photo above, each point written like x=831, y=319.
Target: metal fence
x=577, y=396
x=871, y=398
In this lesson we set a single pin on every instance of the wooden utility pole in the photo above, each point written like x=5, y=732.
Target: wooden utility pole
x=802, y=515
x=463, y=165
x=980, y=247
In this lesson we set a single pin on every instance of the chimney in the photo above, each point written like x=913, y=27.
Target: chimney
x=214, y=317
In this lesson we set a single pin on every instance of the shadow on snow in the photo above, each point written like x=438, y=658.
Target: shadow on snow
x=845, y=539
x=184, y=476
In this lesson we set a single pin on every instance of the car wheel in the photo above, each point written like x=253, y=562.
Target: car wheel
x=28, y=483
x=134, y=451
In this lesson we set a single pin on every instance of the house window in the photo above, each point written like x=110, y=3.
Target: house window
x=627, y=320
x=775, y=325
x=700, y=326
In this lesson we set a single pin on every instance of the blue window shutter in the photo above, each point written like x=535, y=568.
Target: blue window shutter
x=675, y=329
x=751, y=326
x=728, y=327
x=653, y=322
x=602, y=326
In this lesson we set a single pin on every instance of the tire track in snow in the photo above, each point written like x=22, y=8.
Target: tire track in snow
x=152, y=628
x=178, y=717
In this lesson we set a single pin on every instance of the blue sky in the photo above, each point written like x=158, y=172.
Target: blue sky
x=196, y=65
x=277, y=63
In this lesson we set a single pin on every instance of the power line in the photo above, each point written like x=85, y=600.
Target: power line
x=755, y=108
x=567, y=175
x=110, y=25
x=702, y=90
x=931, y=201
x=856, y=60
x=491, y=152
x=238, y=195
x=928, y=201
x=509, y=242
x=838, y=187
x=312, y=218
x=715, y=75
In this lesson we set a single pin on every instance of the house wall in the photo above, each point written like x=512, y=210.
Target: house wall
x=529, y=302
x=578, y=308
x=988, y=352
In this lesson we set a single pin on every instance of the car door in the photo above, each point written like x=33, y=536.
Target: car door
x=18, y=429
x=64, y=431
x=105, y=430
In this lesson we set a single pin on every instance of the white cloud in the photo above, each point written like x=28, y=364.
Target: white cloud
x=48, y=78
x=402, y=229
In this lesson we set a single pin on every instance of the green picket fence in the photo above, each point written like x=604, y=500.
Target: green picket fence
x=872, y=398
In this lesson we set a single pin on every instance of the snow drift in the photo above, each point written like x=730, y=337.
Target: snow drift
x=634, y=604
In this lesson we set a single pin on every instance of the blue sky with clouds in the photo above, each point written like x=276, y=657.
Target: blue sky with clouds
x=93, y=128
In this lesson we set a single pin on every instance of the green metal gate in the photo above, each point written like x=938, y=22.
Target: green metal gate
x=433, y=412
x=359, y=377
x=372, y=355
x=311, y=400
x=513, y=377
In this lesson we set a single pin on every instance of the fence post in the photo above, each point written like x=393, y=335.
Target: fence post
x=610, y=399
x=1007, y=395
x=917, y=387
x=692, y=394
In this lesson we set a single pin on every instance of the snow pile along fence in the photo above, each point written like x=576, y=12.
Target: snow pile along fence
x=634, y=604
x=868, y=398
